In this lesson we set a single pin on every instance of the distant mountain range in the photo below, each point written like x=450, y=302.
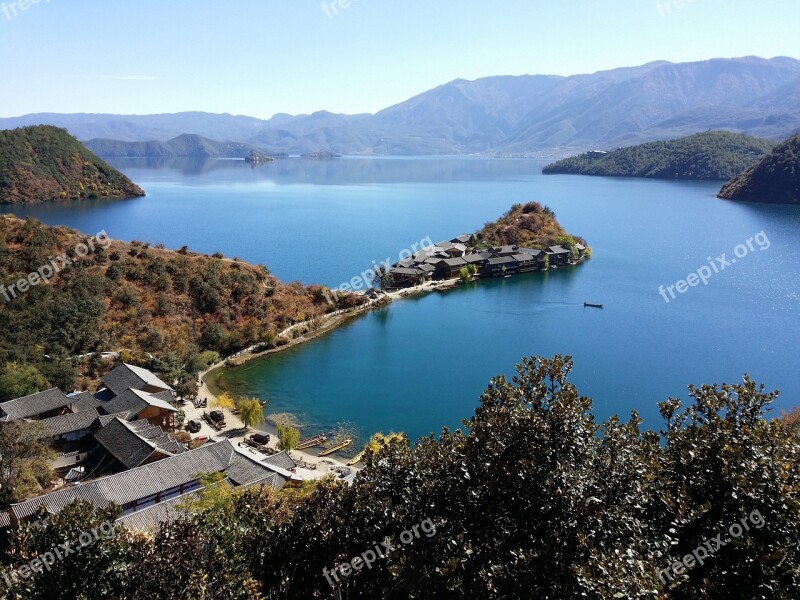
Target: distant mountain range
x=185, y=145
x=707, y=155
x=528, y=115
x=774, y=179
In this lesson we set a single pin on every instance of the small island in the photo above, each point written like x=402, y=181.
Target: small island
x=256, y=158
x=44, y=163
x=712, y=155
x=774, y=180
x=527, y=238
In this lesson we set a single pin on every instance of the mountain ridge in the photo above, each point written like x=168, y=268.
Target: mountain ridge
x=506, y=114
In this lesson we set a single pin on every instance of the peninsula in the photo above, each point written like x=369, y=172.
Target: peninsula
x=703, y=156
x=43, y=163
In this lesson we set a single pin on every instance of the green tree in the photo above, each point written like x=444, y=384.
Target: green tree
x=187, y=386
x=251, y=412
x=465, y=275
x=25, y=460
x=20, y=380
x=288, y=437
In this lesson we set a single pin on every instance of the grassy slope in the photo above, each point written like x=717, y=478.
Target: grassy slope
x=147, y=300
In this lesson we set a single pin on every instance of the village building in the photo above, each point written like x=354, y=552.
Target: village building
x=50, y=403
x=151, y=484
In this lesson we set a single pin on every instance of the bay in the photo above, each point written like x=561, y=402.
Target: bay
x=421, y=364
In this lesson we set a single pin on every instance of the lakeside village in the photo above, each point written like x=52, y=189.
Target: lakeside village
x=465, y=258
x=122, y=444
x=460, y=260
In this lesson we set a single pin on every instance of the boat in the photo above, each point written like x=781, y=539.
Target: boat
x=316, y=440
x=337, y=447
x=356, y=459
x=590, y=305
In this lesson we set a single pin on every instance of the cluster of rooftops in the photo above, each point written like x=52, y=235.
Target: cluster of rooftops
x=445, y=260
x=117, y=442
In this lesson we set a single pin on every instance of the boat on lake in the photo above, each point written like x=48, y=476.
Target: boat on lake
x=337, y=447
x=316, y=440
x=590, y=305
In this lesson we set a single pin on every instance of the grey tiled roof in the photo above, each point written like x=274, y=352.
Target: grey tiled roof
x=531, y=251
x=475, y=258
x=70, y=422
x=501, y=260
x=455, y=262
x=84, y=401
x=135, y=401
x=35, y=404
x=157, y=477
x=150, y=518
x=281, y=460
x=132, y=443
x=126, y=376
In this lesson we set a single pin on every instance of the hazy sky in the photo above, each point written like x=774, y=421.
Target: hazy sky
x=259, y=57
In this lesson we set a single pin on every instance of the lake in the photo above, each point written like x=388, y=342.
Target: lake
x=422, y=363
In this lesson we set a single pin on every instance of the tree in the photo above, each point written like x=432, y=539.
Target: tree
x=187, y=386
x=251, y=412
x=288, y=437
x=465, y=275
x=225, y=400
x=25, y=459
x=20, y=380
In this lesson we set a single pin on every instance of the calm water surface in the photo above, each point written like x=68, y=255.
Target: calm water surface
x=422, y=364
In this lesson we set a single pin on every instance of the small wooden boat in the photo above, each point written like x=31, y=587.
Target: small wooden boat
x=356, y=459
x=316, y=440
x=590, y=305
x=337, y=447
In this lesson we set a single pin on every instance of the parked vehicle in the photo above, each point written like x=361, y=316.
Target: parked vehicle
x=216, y=415
x=193, y=426
x=260, y=438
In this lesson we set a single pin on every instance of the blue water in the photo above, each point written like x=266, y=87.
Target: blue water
x=421, y=364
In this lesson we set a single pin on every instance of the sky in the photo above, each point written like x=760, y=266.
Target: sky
x=261, y=57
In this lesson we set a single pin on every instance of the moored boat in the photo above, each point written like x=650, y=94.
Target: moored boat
x=316, y=440
x=337, y=447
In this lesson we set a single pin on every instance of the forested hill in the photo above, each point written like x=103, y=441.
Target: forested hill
x=775, y=179
x=43, y=163
x=159, y=305
x=710, y=155
x=186, y=145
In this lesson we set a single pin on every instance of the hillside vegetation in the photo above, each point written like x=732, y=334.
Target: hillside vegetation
x=531, y=225
x=775, y=179
x=162, y=307
x=531, y=498
x=709, y=155
x=186, y=145
x=44, y=163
